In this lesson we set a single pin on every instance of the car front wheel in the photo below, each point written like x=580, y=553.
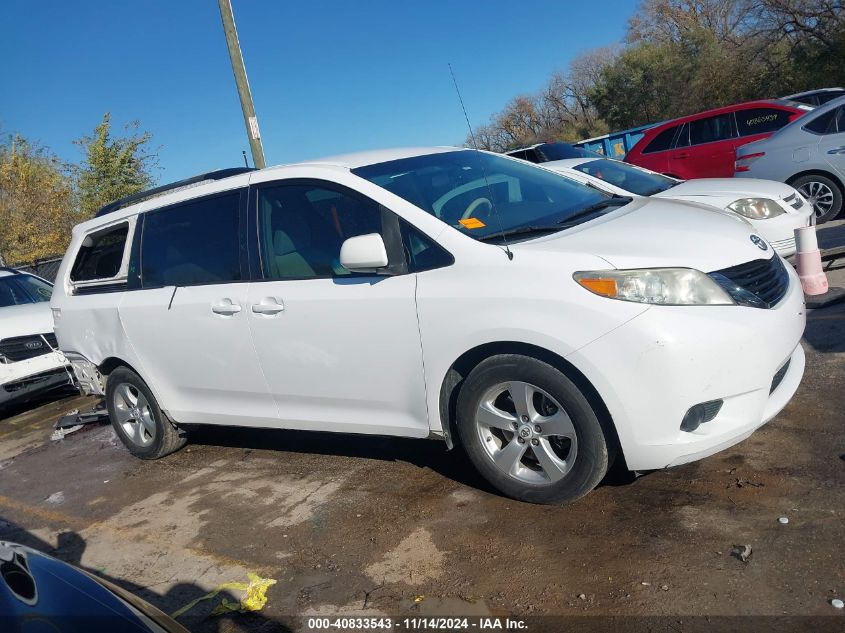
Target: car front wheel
x=823, y=193
x=530, y=431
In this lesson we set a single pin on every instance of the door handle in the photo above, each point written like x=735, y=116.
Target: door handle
x=836, y=150
x=681, y=155
x=268, y=305
x=226, y=308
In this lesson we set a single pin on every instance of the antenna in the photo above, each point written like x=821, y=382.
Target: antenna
x=481, y=164
x=246, y=164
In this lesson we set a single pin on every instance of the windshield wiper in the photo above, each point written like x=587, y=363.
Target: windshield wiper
x=521, y=230
x=615, y=201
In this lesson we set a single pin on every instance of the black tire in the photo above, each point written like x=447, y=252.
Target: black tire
x=165, y=439
x=593, y=455
x=805, y=185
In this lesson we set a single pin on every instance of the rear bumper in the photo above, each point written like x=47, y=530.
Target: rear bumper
x=657, y=366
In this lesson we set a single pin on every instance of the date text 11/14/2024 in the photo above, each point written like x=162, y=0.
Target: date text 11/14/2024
x=417, y=623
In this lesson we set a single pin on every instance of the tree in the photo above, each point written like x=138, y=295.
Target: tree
x=113, y=167
x=37, y=209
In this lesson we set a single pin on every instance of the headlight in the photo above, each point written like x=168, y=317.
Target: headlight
x=756, y=208
x=662, y=286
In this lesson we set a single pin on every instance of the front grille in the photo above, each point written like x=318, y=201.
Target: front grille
x=794, y=201
x=779, y=377
x=766, y=279
x=25, y=347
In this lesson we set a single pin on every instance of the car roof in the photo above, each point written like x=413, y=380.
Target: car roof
x=203, y=188
x=731, y=108
x=811, y=93
x=376, y=156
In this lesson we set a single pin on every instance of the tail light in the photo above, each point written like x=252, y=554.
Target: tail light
x=743, y=163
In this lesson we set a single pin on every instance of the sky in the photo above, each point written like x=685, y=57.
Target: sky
x=327, y=77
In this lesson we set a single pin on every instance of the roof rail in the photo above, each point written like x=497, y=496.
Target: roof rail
x=9, y=269
x=218, y=174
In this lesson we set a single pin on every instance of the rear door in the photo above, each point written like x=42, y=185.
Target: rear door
x=832, y=144
x=341, y=351
x=188, y=322
x=710, y=153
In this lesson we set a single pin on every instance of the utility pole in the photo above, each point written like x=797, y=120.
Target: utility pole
x=250, y=118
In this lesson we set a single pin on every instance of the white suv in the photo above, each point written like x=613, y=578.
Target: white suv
x=438, y=292
x=30, y=363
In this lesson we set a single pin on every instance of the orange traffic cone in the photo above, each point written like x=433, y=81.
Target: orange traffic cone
x=808, y=261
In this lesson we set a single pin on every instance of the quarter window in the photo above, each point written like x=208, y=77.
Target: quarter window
x=194, y=243
x=761, y=120
x=711, y=129
x=662, y=141
x=101, y=254
x=303, y=226
x=823, y=124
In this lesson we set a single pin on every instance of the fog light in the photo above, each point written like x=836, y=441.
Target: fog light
x=699, y=414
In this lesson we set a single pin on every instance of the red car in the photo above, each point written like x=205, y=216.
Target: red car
x=703, y=145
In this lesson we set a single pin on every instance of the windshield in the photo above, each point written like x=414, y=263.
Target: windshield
x=624, y=176
x=17, y=290
x=562, y=151
x=483, y=194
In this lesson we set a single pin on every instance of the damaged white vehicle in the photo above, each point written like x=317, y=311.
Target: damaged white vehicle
x=30, y=363
x=439, y=292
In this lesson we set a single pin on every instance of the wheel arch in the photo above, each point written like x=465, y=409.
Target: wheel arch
x=818, y=172
x=456, y=374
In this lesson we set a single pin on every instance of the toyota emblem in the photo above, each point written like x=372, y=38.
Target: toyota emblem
x=759, y=242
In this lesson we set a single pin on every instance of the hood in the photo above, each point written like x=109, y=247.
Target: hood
x=734, y=188
x=654, y=233
x=29, y=318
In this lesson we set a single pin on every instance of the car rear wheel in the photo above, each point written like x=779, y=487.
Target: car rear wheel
x=823, y=193
x=137, y=418
x=530, y=431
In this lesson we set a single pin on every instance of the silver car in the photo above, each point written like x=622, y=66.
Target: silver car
x=808, y=154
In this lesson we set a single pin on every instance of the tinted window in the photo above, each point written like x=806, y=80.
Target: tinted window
x=101, y=255
x=482, y=194
x=421, y=252
x=562, y=151
x=302, y=228
x=662, y=141
x=823, y=124
x=193, y=243
x=627, y=177
x=828, y=96
x=20, y=289
x=521, y=154
x=760, y=120
x=683, y=136
x=710, y=129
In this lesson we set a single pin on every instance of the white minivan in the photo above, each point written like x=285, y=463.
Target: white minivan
x=547, y=326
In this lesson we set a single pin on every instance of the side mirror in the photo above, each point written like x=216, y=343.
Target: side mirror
x=363, y=253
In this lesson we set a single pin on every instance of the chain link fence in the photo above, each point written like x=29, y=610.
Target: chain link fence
x=44, y=268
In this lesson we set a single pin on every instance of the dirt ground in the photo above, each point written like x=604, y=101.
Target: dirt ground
x=370, y=526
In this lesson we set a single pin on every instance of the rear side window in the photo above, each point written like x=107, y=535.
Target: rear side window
x=193, y=243
x=711, y=129
x=662, y=141
x=761, y=120
x=101, y=254
x=824, y=124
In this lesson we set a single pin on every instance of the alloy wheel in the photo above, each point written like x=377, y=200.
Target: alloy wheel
x=526, y=433
x=819, y=195
x=134, y=414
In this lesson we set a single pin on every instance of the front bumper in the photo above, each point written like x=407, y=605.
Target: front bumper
x=780, y=231
x=651, y=370
x=27, y=378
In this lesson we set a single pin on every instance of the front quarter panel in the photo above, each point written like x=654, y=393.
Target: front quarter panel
x=487, y=298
